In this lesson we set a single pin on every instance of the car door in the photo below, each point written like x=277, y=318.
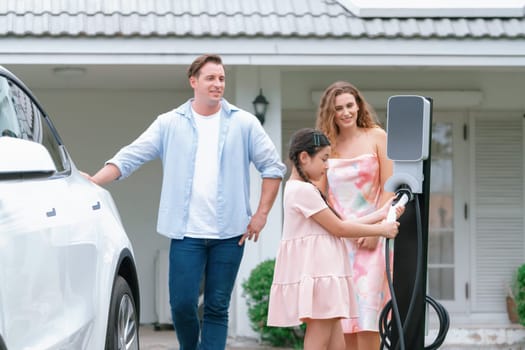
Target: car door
x=33, y=261
x=48, y=244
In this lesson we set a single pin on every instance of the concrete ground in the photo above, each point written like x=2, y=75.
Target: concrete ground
x=510, y=337
x=165, y=339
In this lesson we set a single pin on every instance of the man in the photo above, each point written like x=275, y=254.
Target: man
x=206, y=146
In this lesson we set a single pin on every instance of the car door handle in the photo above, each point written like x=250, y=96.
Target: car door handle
x=96, y=206
x=51, y=213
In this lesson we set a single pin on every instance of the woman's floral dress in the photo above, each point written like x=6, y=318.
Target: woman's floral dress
x=355, y=190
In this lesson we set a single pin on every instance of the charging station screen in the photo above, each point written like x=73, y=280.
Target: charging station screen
x=405, y=128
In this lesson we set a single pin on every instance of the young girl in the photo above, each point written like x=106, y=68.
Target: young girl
x=312, y=282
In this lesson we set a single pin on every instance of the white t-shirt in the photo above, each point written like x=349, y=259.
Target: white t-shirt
x=202, y=221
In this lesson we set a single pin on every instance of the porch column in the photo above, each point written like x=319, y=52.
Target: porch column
x=248, y=81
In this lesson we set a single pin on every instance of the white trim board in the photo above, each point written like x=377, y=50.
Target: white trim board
x=293, y=52
x=441, y=99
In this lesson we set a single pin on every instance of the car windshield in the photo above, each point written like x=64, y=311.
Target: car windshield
x=18, y=115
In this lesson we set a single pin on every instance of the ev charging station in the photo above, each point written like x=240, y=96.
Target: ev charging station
x=409, y=122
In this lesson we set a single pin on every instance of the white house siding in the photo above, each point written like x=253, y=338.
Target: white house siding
x=498, y=239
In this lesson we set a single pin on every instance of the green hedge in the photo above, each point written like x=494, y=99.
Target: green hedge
x=519, y=293
x=257, y=291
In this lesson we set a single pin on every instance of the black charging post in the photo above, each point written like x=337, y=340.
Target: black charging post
x=405, y=266
x=409, y=120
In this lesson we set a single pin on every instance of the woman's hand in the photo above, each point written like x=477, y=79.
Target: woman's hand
x=369, y=243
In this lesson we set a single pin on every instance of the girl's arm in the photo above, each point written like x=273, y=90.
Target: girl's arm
x=377, y=215
x=381, y=213
x=352, y=229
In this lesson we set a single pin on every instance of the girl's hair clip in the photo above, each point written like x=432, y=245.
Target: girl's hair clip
x=317, y=139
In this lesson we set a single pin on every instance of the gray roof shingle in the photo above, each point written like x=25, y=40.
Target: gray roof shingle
x=231, y=18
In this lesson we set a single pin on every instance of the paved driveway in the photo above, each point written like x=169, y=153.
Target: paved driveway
x=166, y=339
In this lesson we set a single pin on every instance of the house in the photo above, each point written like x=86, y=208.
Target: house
x=105, y=69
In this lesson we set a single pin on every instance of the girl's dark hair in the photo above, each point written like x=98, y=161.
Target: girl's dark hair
x=306, y=140
x=310, y=141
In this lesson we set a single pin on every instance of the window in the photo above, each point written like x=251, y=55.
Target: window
x=20, y=117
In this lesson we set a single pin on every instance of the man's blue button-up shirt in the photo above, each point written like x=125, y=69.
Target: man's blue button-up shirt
x=172, y=137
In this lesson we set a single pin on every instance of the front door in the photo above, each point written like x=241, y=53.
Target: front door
x=448, y=255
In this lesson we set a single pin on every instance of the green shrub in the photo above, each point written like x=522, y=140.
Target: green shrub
x=519, y=293
x=257, y=291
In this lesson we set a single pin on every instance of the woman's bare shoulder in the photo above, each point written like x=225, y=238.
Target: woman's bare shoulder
x=377, y=133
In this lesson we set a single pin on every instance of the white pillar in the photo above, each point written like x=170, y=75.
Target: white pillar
x=248, y=81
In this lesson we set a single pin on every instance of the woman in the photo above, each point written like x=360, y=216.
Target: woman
x=358, y=170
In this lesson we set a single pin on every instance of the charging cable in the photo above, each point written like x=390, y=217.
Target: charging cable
x=385, y=327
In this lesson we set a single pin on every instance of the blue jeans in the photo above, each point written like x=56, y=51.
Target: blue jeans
x=218, y=260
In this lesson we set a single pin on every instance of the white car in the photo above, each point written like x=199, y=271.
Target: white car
x=68, y=278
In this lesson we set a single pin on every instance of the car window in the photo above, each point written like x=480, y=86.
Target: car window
x=20, y=117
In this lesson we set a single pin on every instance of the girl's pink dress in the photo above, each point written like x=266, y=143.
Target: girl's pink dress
x=355, y=190
x=312, y=276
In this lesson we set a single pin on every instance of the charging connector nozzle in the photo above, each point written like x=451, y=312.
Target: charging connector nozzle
x=404, y=195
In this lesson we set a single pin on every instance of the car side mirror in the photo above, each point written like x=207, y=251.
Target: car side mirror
x=23, y=157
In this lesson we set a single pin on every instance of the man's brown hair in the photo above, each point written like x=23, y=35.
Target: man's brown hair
x=195, y=67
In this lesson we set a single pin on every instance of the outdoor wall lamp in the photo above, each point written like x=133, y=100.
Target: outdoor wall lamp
x=260, y=105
